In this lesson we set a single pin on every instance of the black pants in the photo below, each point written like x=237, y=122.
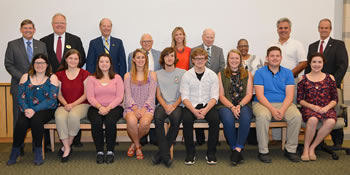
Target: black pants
x=213, y=119
x=36, y=123
x=165, y=142
x=110, y=120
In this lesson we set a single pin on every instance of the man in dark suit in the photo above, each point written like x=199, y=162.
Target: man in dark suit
x=62, y=41
x=58, y=43
x=107, y=44
x=336, y=62
x=216, y=62
x=18, y=56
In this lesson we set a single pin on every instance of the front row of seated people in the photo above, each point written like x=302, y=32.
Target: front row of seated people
x=188, y=96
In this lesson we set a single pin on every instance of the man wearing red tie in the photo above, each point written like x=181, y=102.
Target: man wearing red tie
x=59, y=42
x=336, y=62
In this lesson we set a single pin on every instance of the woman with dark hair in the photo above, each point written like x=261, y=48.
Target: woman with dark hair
x=317, y=94
x=235, y=93
x=183, y=52
x=140, y=91
x=105, y=92
x=37, y=98
x=72, y=97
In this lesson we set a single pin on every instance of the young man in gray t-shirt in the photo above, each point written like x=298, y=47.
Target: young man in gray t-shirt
x=168, y=96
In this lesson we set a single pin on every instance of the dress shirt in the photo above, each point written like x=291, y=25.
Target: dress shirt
x=325, y=42
x=199, y=91
x=63, y=39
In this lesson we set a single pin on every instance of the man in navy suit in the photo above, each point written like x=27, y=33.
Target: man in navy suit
x=62, y=41
x=336, y=62
x=106, y=44
x=146, y=43
x=17, y=59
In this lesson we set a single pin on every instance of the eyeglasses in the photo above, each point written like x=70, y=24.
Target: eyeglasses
x=243, y=46
x=147, y=41
x=40, y=63
x=199, y=59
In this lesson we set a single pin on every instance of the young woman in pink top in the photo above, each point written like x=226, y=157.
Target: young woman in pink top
x=140, y=90
x=105, y=92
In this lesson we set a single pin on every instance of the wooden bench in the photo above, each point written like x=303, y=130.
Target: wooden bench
x=121, y=125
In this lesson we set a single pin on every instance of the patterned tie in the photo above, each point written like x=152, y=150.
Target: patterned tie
x=209, y=56
x=106, y=46
x=29, y=51
x=59, y=49
x=321, y=47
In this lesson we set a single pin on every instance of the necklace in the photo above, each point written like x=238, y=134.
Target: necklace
x=36, y=79
x=180, y=51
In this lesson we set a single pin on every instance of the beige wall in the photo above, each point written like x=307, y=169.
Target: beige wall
x=346, y=38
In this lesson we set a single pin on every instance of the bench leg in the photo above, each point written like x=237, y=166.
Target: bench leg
x=284, y=137
x=43, y=147
x=52, y=139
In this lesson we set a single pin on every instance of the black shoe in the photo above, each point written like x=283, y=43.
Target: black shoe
x=60, y=152
x=156, y=159
x=264, y=157
x=199, y=143
x=109, y=158
x=168, y=162
x=236, y=157
x=100, y=158
x=292, y=156
x=77, y=144
x=190, y=160
x=211, y=159
x=65, y=159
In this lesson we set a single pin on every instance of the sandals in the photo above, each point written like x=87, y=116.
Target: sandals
x=139, y=154
x=131, y=150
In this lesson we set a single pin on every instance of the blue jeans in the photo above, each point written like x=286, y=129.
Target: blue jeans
x=228, y=119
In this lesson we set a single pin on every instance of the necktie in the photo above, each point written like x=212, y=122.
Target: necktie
x=321, y=47
x=209, y=56
x=59, y=49
x=29, y=51
x=106, y=46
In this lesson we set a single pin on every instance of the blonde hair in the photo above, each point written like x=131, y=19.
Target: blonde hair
x=228, y=72
x=133, y=70
x=173, y=42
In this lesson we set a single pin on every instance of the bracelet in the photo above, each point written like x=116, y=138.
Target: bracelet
x=231, y=106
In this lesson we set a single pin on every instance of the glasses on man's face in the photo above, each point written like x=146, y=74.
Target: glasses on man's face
x=40, y=63
x=243, y=46
x=199, y=59
x=146, y=41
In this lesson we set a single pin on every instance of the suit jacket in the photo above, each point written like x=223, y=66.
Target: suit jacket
x=71, y=42
x=116, y=50
x=156, y=56
x=16, y=60
x=217, y=61
x=336, y=58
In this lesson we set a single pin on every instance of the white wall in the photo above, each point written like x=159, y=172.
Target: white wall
x=231, y=19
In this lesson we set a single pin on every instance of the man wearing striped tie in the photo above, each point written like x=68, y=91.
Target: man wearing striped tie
x=19, y=54
x=107, y=44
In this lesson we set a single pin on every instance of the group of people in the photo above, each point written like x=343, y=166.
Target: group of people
x=179, y=83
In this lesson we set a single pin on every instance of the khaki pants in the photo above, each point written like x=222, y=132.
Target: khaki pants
x=263, y=119
x=68, y=123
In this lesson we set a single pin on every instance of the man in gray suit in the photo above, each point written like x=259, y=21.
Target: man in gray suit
x=216, y=62
x=19, y=54
x=146, y=43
